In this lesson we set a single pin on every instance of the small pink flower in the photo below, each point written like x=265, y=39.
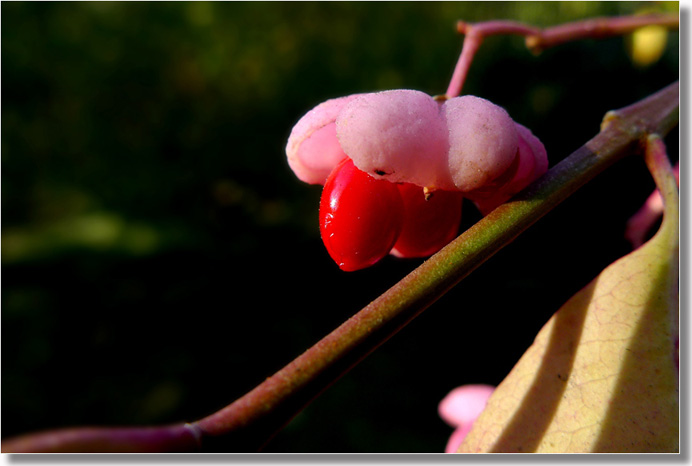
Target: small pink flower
x=460, y=408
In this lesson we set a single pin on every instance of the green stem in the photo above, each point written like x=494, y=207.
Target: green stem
x=656, y=158
x=252, y=420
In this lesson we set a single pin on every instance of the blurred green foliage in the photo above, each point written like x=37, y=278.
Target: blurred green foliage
x=159, y=258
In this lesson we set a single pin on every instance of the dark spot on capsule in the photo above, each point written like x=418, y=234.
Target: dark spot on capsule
x=379, y=171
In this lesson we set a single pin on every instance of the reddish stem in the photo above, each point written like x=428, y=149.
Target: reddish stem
x=538, y=40
x=474, y=35
x=175, y=438
x=597, y=28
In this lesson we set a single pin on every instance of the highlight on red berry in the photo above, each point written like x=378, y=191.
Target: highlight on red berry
x=360, y=217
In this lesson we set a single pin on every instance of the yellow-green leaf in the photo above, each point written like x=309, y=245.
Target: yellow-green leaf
x=602, y=374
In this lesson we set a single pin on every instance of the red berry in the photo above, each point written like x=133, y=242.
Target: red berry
x=360, y=217
x=430, y=224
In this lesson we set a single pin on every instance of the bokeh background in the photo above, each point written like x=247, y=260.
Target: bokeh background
x=159, y=258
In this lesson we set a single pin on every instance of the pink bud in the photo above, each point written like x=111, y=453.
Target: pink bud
x=407, y=136
x=313, y=149
x=539, y=153
x=464, y=404
x=465, y=144
x=531, y=163
x=460, y=409
x=482, y=141
x=397, y=135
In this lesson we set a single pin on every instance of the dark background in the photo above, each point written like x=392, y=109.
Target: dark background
x=159, y=258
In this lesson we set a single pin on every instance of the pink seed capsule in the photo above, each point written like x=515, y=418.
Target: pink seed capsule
x=376, y=152
x=483, y=141
x=313, y=149
x=406, y=136
x=531, y=163
x=398, y=135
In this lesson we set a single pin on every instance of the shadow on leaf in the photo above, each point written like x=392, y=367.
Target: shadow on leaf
x=527, y=427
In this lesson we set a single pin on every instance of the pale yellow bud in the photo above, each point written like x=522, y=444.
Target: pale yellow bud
x=647, y=45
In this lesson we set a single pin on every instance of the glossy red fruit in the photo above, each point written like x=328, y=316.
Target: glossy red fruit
x=360, y=217
x=430, y=224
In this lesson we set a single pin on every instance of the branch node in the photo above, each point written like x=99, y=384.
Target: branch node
x=609, y=118
x=462, y=27
x=534, y=44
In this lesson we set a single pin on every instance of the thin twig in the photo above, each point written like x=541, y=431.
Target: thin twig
x=540, y=39
x=597, y=28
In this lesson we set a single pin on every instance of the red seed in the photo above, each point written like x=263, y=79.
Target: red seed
x=360, y=217
x=430, y=224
